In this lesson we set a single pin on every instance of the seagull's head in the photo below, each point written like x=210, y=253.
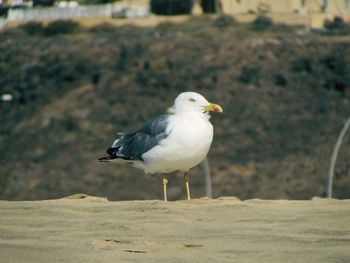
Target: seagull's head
x=193, y=102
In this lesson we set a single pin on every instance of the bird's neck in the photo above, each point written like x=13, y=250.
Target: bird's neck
x=195, y=114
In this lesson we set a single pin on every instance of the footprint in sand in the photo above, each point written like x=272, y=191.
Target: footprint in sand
x=108, y=243
x=111, y=244
x=192, y=245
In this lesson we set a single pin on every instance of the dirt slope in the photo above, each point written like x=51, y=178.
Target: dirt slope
x=285, y=97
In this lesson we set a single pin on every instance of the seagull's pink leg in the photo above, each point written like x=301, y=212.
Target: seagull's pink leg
x=187, y=183
x=165, y=182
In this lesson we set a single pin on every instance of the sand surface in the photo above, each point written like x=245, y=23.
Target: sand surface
x=202, y=230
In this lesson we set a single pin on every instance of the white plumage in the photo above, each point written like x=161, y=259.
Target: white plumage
x=188, y=142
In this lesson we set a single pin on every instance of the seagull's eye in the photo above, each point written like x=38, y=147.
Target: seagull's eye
x=191, y=99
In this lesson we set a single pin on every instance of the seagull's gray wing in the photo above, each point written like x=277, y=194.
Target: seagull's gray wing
x=131, y=146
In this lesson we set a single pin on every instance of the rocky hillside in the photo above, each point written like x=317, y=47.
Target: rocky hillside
x=285, y=96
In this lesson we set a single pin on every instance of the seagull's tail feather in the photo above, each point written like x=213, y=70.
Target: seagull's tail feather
x=114, y=154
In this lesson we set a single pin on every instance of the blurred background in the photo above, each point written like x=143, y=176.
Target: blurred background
x=74, y=74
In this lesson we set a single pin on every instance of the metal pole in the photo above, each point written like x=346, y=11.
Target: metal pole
x=206, y=171
x=334, y=158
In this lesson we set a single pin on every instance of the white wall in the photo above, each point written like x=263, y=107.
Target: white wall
x=59, y=13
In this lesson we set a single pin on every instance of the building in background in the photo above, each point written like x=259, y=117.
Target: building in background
x=313, y=12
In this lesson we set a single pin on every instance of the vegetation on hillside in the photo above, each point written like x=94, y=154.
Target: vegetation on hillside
x=285, y=98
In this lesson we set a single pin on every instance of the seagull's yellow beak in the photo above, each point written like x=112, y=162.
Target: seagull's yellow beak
x=213, y=107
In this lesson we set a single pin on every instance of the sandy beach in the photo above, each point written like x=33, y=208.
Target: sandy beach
x=92, y=229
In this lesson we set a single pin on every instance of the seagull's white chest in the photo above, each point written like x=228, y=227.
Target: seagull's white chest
x=188, y=142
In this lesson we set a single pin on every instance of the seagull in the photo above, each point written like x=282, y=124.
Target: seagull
x=175, y=141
